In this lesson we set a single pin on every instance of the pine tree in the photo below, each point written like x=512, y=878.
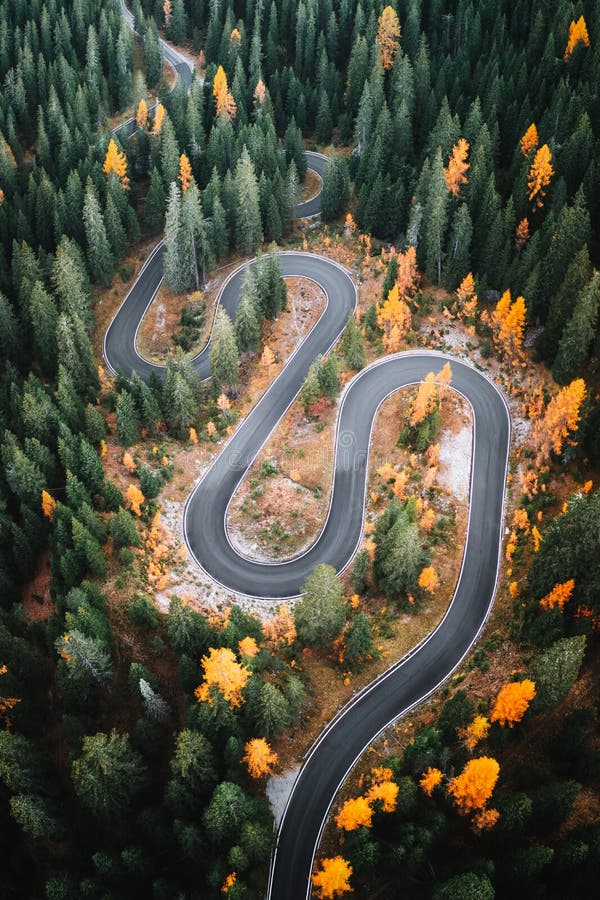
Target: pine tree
x=128, y=423
x=562, y=303
x=99, y=254
x=319, y=615
x=223, y=355
x=352, y=344
x=44, y=320
x=335, y=193
x=107, y=774
x=248, y=227
x=154, y=204
x=578, y=333
x=177, y=274
x=435, y=219
x=247, y=325
x=156, y=708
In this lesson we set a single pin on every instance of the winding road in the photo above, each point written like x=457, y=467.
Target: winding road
x=419, y=674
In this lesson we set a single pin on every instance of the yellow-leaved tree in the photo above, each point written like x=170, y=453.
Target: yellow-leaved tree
x=394, y=317
x=561, y=418
x=540, y=175
x=428, y=579
x=259, y=758
x=7, y=703
x=225, y=104
x=388, y=36
x=159, y=118
x=48, y=505
x=473, y=788
x=355, y=813
x=522, y=233
x=141, y=116
x=455, y=172
x=513, y=702
x=474, y=732
x=116, y=161
x=530, y=140
x=431, y=779
x=333, y=878
x=559, y=595
x=222, y=670
x=185, y=173
x=577, y=33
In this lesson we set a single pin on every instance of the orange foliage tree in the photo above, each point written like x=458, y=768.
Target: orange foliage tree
x=466, y=298
x=430, y=780
x=386, y=792
x=455, y=172
x=7, y=703
x=248, y=647
x=530, y=140
x=141, y=116
x=185, y=173
x=407, y=274
x=281, y=628
x=508, y=324
x=260, y=759
x=577, y=32
x=522, y=234
x=222, y=670
x=116, y=161
x=425, y=401
x=474, y=732
x=561, y=418
x=540, y=175
x=394, y=317
x=333, y=879
x=159, y=118
x=48, y=505
x=513, y=702
x=474, y=786
x=388, y=36
x=559, y=595
x=428, y=579
x=135, y=499
x=355, y=813
x=225, y=104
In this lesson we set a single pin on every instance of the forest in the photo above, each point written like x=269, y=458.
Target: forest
x=461, y=192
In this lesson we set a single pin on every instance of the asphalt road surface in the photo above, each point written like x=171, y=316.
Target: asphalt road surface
x=425, y=668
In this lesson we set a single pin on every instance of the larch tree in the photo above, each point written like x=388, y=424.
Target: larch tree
x=224, y=102
x=473, y=788
x=455, y=171
x=578, y=33
x=333, y=878
x=540, y=176
x=388, y=36
x=224, y=355
x=513, y=702
x=561, y=418
x=394, y=318
x=248, y=223
x=115, y=162
x=259, y=758
x=559, y=595
x=530, y=140
x=355, y=813
x=141, y=115
x=222, y=670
